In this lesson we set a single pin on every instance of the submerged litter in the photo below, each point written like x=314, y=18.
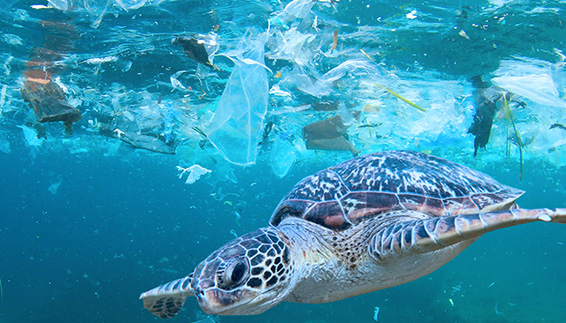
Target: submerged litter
x=194, y=173
x=47, y=99
x=282, y=157
x=31, y=136
x=198, y=47
x=5, y=146
x=375, y=313
x=237, y=125
x=516, y=136
x=400, y=97
x=328, y=134
x=530, y=78
x=54, y=187
x=485, y=98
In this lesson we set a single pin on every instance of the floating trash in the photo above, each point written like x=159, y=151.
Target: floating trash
x=54, y=187
x=237, y=125
x=194, y=173
x=375, y=313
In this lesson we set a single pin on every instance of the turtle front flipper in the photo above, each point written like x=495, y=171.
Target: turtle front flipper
x=422, y=236
x=167, y=300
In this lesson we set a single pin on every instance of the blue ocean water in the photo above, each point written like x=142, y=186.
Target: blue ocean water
x=87, y=222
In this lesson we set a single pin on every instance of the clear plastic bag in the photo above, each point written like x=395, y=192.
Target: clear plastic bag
x=531, y=79
x=237, y=124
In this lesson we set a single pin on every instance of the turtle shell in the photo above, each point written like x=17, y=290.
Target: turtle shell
x=362, y=187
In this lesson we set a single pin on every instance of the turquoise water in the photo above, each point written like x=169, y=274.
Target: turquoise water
x=87, y=222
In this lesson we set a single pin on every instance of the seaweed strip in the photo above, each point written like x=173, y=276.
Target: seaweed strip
x=400, y=97
x=510, y=118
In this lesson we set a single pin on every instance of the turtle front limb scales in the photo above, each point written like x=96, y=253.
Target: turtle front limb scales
x=423, y=236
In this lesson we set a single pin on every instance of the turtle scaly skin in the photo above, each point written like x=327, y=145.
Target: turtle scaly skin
x=370, y=223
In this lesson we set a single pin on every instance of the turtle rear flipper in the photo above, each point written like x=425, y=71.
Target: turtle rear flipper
x=422, y=236
x=167, y=300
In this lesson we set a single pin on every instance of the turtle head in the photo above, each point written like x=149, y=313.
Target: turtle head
x=247, y=276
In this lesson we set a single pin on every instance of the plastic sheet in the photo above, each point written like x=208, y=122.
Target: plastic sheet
x=5, y=146
x=282, y=157
x=237, y=125
x=485, y=104
x=30, y=135
x=54, y=187
x=531, y=79
x=49, y=103
x=292, y=45
x=328, y=134
x=325, y=85
x=99, y=8
x=297, y=9
x=194, y=173
x=200, y=48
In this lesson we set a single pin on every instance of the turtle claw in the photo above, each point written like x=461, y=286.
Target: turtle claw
x=544, y=217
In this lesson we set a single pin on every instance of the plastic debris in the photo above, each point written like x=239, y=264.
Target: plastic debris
x=376, y=313
x=400, y=97
x=142, y=140
x=282, y=157
x=31, y=136
x=328, y=134
x=194, y=173
x=325, y=85
x=463, y=34
x=485, y=98
x=237, y=125
x=513, y=137
x=194, y=48
x=54, y=187
x=297, y=9
x=266, y=131
x=334, y=40
x=411, y=15
x=47, y=99
x=3, y=98
x=175, y=83
x=103, y=60
x=531, y=79
x=99, y=8
x=5, y=146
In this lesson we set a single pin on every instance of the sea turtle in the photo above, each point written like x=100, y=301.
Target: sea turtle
x=369, y=223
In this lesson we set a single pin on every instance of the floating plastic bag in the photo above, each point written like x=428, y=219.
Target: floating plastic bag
x=195, y=172
x=54, y=187
x=5, y=146
x=531, y=79
x=31, y=136
x=297, y=9
x=237, y=124
x=282, y=157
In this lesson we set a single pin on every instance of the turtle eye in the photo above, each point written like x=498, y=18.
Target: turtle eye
x=235, y=273
x=238, y=272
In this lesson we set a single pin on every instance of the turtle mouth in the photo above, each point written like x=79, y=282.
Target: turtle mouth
x=220, y=302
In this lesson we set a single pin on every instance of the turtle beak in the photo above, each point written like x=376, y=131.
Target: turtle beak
x=215, y=301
